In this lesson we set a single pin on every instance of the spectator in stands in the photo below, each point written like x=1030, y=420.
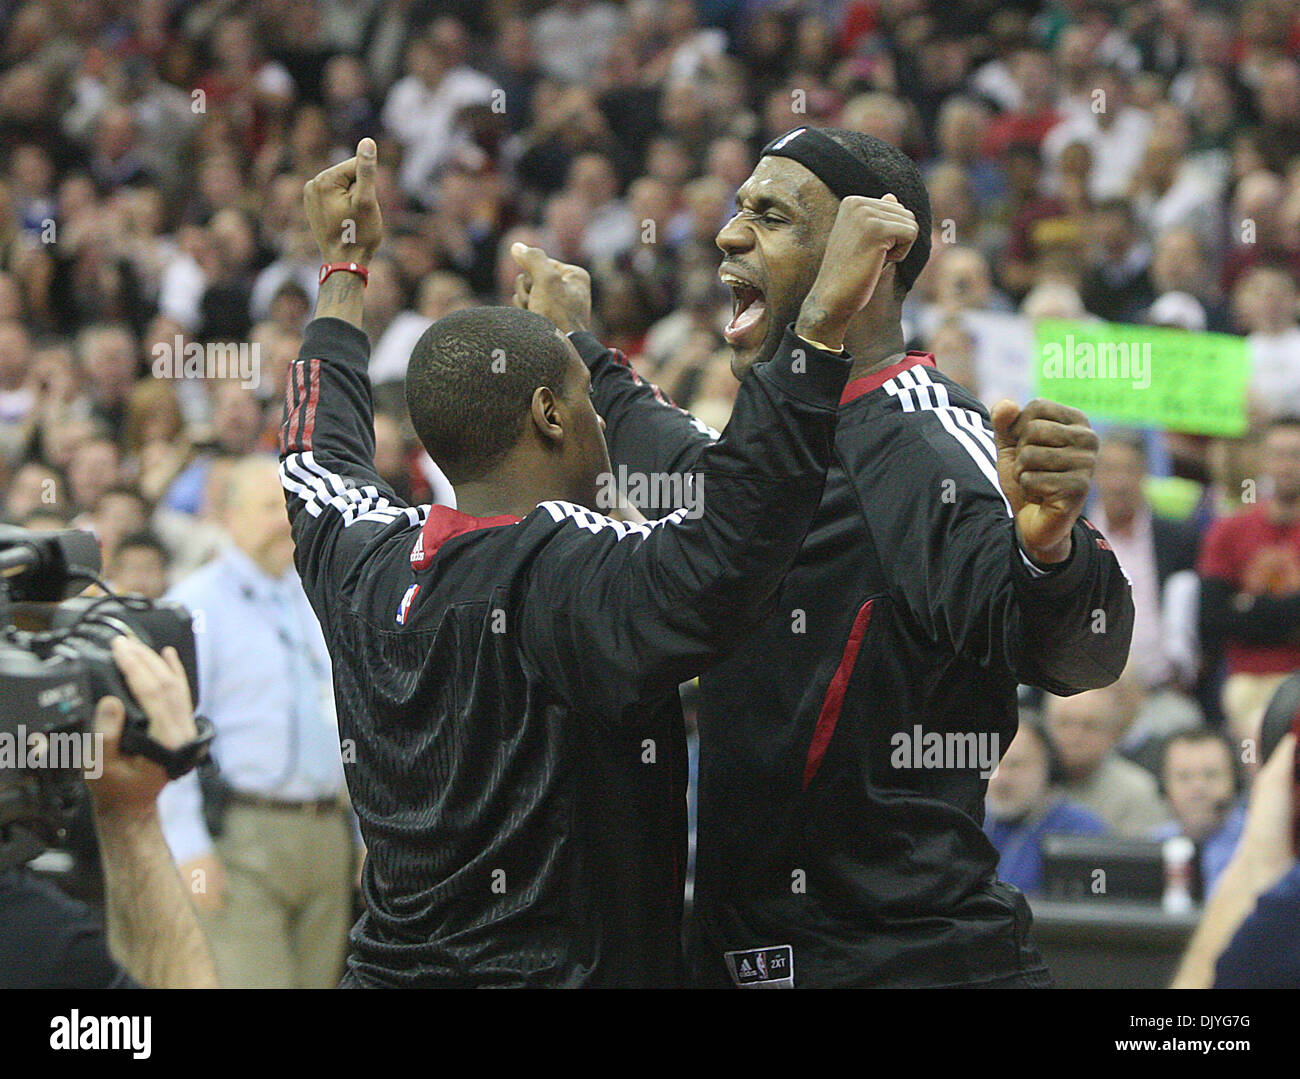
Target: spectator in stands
x=1277, y=97
x=348, y=109
x=1036, y=111
x=1113, y=129
x=964, y=290
x=962, y=124
x=573, y=36
x=1022, y=808
x=1265, y=302
x=34, y=486
x=108, y=361
x=420, y=111
x=118, y=512
x=274, y=881
x=1255, y=230
x=610, y=229
x=1179, y=266
x=1250, y=584
x=1117, y=285
x=238, y=425
x=95, y=466
x=17, y=398
x=1151, y=549
x=440, y=293
x=1038, y=223
x=515, y=69
x=139, y=564
x=1199, y=779
x=1167, y=190
x=1085, y=730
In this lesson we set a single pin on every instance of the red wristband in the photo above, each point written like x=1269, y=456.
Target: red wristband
x=351, y=267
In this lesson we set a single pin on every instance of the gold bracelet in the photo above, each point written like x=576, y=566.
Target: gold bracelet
x=817, y=344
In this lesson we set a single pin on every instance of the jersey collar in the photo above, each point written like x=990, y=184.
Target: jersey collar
x=445, y=523
x=857, y=387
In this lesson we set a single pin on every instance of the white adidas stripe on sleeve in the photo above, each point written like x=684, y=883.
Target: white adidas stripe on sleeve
x=594, y=522
x=317, y=487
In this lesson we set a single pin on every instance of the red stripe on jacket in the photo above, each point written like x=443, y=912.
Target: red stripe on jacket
x=834, y=701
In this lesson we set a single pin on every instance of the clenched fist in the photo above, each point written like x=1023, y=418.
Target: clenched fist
x=549, y=287
x=1046, y=456
x=867, y=233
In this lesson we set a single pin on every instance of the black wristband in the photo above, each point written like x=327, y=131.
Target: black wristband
x=175, y=762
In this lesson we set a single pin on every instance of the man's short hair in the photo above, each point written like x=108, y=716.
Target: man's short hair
x=145, y=540
x=470, y=384
x=897, y=173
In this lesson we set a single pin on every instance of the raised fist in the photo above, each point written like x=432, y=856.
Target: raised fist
x=558, y=290
x=867, y=233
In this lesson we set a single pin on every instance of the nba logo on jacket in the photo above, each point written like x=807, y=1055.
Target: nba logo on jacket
x=404, y=608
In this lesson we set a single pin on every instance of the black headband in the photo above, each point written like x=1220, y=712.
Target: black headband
x=826, y=159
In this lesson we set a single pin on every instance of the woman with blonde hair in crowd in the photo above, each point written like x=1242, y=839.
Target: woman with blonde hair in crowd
x=154, y=437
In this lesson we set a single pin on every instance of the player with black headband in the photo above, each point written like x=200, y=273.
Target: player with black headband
x=845, y=746
x=506, y=673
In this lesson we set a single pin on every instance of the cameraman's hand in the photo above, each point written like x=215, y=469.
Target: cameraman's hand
x=130, y=785
x=1265, y=842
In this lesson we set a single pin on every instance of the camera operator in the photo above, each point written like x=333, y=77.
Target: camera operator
x=153, y=937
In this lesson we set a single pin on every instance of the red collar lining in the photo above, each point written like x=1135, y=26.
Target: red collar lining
x=859, y=386
x=445, y=523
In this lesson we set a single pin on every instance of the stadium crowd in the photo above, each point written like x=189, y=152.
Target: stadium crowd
x=1129, y=161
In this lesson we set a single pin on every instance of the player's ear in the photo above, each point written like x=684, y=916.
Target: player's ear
x=547, y=416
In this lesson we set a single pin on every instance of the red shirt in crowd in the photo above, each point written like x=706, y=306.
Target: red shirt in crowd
x=1254, y=554
x=1017, y=127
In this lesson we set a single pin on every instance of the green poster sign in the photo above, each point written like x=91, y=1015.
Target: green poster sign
x=1144, y=375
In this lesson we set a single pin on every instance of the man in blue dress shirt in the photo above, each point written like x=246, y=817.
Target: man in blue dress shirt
x=274, y=887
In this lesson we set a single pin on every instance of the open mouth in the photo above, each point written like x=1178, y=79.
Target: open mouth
x=748, y=311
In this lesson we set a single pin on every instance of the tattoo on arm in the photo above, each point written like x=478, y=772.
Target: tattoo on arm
x=342, y=297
